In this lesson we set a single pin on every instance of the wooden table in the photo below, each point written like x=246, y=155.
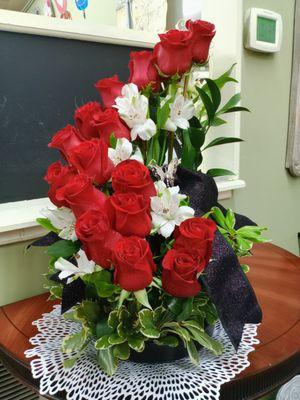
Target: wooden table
x=275, y=275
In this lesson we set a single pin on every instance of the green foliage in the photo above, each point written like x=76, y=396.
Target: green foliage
x=242, y=239
x=45, y=223
x=215, y=172
x=63, y=248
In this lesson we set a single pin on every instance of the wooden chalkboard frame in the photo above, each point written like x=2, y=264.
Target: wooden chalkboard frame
x=12, y=21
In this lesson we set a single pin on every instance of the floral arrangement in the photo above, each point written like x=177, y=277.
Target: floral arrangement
x=133, y=254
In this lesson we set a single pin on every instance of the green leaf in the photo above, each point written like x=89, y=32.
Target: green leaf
x=70, y=362
x=122, y=351
x=215, y=172
x=233, y=101
x=105, y=289
x=193, y=324
x=56, y=291
x=103, y=343
x=113, y=319
x=146, y=318
x=252, y=233
x=224, y=78
x=107, y=361
x=244, y=244
x=167, y=340
x=222, y=140
x=188, y=151
x=236, y=109
x=91, y=310
x=193, y=352
x=180, y=306
x=215, y=93
x=218, y=121
x=219, y=217
x=137, y=343
x=245, y=268
x=163, y=114
x=114, y=338
x=63, y=248
x=102, y=328
x=197, y=137
x=230, y=219
x=208, y=104
x=112, y=141
x=205, y=340
x=45, y=223
x=123, y=296
x=74, y=342
x=142, y=297
x=186, y=311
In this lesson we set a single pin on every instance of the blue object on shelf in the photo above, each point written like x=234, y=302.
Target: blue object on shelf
x=81, y=4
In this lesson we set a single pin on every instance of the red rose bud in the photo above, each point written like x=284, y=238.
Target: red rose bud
x=57, y=176
x=107, y=122
x=91, y=158
x=65, y=140
x=109, y=89
x=132, y=176
x=142, y=69
x=83, y=118
x=197, y=233
x=180, y=272
x=81, y=196
x=202, y=33
x=134, y=264
x=131, y=214
x=93, y=229
x=173, y=53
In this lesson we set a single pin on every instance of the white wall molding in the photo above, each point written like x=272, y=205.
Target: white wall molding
x=13, y=21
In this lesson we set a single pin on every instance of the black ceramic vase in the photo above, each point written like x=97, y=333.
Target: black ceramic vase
x=155, y=354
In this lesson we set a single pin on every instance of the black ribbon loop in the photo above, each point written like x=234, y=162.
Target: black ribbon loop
x=225, y=281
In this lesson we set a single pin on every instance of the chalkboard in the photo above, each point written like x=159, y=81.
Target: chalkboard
x=42, y=81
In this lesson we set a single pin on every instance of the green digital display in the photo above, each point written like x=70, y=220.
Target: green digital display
x=266, y=30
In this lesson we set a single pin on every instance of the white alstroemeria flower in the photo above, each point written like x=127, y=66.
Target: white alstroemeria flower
x=166, y=211
x=62, y=219
x=68, y=269
x=124, y=151
x=133, y=109
x=181, y=110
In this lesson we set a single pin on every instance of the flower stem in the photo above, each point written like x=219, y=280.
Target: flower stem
x=171, y=146
x=185, y=85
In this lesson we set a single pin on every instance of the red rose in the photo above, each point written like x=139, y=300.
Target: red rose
x=57, y=176
x=81, y=196
x=132, y=176
x=107, y=122
x=83, y=118
x=109, y=89
x=173, y=54
x=197, y=233
x=130, y=214
x=93, y=229
x=180, y=272
x=202, y=33
x=142, y=69
x=134, y=265
x=65, y=140
x=91, y=158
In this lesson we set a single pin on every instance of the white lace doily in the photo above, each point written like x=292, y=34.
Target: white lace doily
x=179, y=380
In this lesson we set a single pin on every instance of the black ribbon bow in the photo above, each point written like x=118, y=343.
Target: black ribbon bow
x=225, y=281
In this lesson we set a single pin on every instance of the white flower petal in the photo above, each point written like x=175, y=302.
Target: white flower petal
x=170, y=126
x=183, y=213
x=167, y=229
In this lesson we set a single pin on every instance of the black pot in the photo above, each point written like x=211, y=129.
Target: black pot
x=154, y=354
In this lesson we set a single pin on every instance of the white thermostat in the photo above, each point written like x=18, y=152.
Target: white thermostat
x=263, y=30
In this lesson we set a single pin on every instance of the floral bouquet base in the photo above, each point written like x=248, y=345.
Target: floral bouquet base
x=137, y=381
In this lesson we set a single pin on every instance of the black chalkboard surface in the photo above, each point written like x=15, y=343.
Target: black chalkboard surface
x=42, y=81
